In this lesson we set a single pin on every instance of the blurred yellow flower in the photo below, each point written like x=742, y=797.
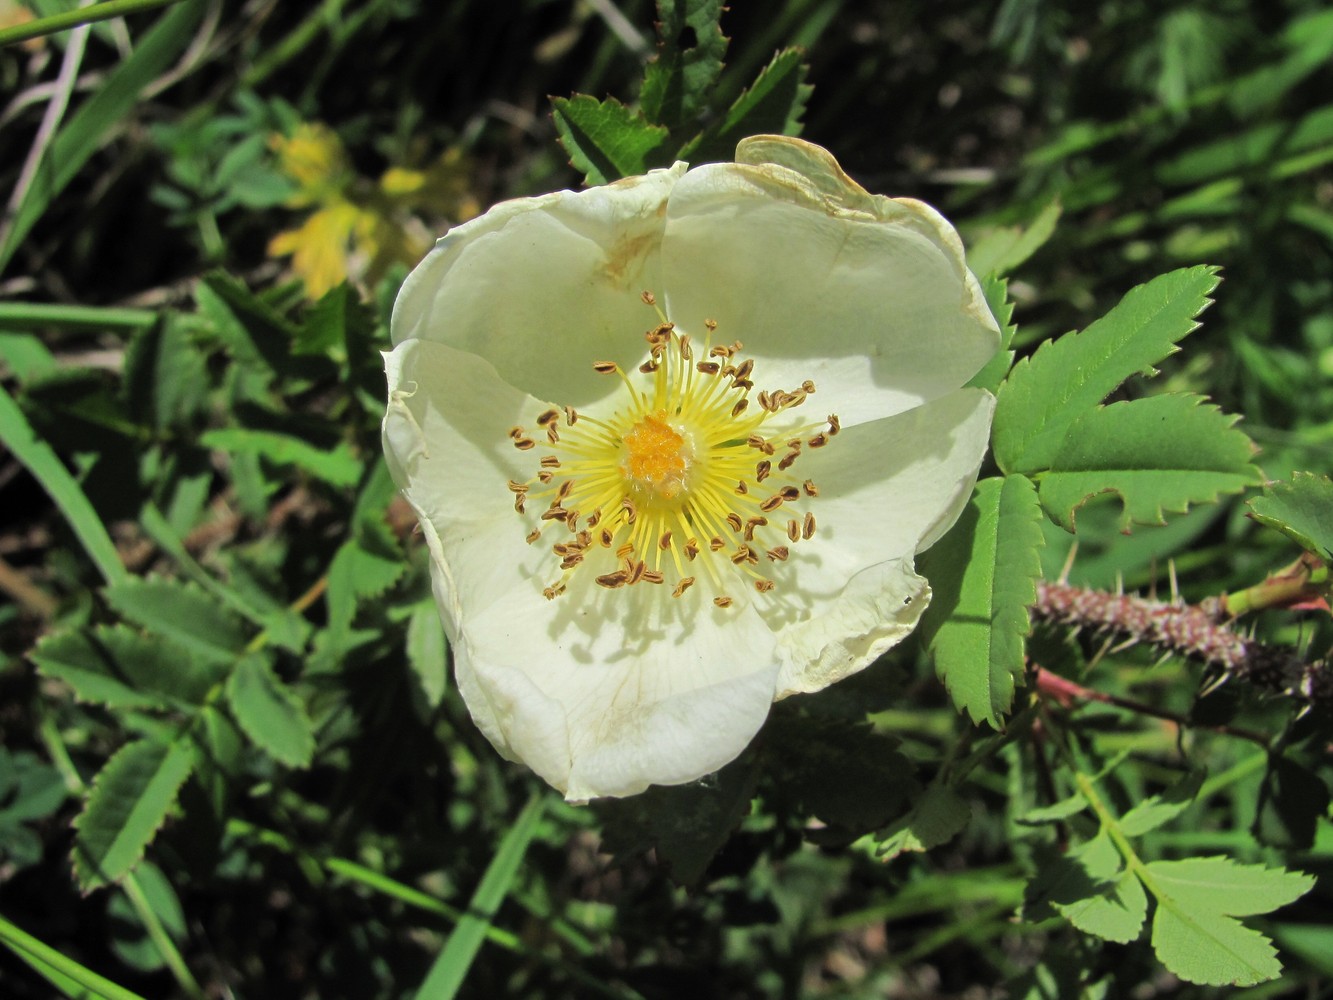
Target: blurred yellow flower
x=359, y=229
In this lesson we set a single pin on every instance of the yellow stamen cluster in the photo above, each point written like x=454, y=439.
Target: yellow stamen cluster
x=680, y=481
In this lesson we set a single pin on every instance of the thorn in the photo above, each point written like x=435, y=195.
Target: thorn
x=1069, y=563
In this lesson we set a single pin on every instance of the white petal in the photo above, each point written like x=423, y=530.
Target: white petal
x=607, y=699
x=543, y=287
x=876, y=610
x=887, y=489
x=446, y=442
x=870, y=298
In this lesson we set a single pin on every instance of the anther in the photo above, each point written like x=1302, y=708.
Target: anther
x=686, y=352
x=566, y=488
x=686, y=582
x=808, y=529
x=811, y=490
x=612, y=580
x=819, y=440
x=807, y=386
x=772, y=503
x=550, y=462
x=763, y=586
x=710, y=325
x=652, y=576
x=552, y=434
x=549, y=417
x=515, y=433
x=788, y=460
x=664, y=543
x=551, y=593
x=779, y=553
x=744, y=369
x=794, y=530
x=648, y=367
x=739, y=408
x=649, y=299
x=722, y=602
x=545, y=476
x=631, y=512
x=606, y=538
x=751, y=524
x=605, y=367
x=518, y=503
x=594, y=517
x=517, y=487
x=636, y=573
x=533, y=535
x=525, y=444
x=734, y=520
x=762, y=470
x=834, y=425
x=554, y=514
x=708, y=367
x=790, y=493
x=741, y=489
x=716, y=544
x=691, y=549
x=625, y=551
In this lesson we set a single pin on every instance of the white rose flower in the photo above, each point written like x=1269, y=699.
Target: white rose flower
x=674, y=443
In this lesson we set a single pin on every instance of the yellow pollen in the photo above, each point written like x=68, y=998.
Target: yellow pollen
x=655, y=456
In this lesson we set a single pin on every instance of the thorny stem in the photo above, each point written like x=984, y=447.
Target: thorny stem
x=1195, y=631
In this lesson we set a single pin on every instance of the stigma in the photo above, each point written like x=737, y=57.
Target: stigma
x=684, y=479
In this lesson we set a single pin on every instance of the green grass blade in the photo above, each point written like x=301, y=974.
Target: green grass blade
x=45, y=315
x=73, y=18
x=38, y=458
x=65, y=974
x=452, y=964
x=100, y=115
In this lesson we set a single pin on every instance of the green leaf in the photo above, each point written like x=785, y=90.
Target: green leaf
x=1194, y=933
x=106, y=111
x=45, y=465
x=685, y=824
x=1056, y=812
x=843, y=772
x=121, y=668
x=356, y=574
x=983, y=577
x=676, y=82
x=938, y=816
x=773, y=105
x=339, y=466
x=1156, y=810
x=426, y=654
x=179, y=611
x=1158, y=454
x=166, y=382
x=1002, y=249
x=1047, y=393
x=605, y=139
x=1302, y=510
x=127, y=804
x=1090, y=890
x=270, y=713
